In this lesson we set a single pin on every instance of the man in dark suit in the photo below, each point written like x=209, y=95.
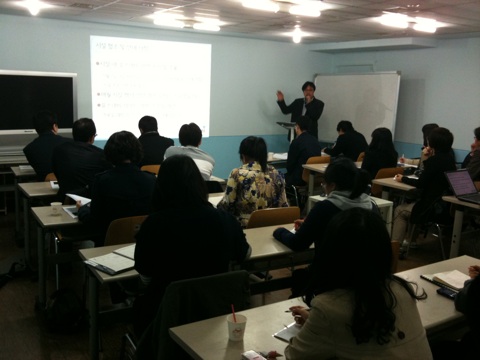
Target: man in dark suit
x=76, y=163
x=39, y=151
x=308, y=106
x=302, y=147
x=153, y=144
x=350, y=143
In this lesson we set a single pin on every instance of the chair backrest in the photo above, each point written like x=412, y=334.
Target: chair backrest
x=361, y=156
x=151, y=168
x=273, y=216
x=50, y=177
x=191, y=300
x=395, y=254
x=384, y=173
x=315, y=160
x=123, y=230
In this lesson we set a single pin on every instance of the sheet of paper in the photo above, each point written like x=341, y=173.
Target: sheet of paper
x=82, y=199
x=280, y=156
x=127, y=251
x=54, y=185
x=288, y=332
x=71, y=210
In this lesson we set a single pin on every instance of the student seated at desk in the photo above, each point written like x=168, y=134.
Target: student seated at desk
x=431, y=182
x=381, y=152
x=426, y=151
x=255, y=185
x=358, y=308
x=122, y=191
x=184, y=230
x=345, y=187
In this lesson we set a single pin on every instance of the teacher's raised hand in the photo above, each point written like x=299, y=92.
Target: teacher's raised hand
x=280, y=96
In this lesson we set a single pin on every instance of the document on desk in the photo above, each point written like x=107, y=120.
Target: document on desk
x=25, y=167
x=127, y=251
x=280, y=156
x=71, y=210
x=111, y=263
x=288, y=332
x=82, y=199
x=453, y=280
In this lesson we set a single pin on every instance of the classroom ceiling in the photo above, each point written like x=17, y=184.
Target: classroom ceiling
x=343, y=20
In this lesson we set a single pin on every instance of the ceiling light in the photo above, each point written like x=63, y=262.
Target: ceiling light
x=206, y=26
x=34, y=6
x=163, y=19
x=426, y=25
x=394, y=20
x=297, y=34
x=265, y=5
x=307, y=8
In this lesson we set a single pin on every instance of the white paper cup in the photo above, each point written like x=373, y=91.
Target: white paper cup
x=236, y=330
x=56, y=208
x=270, y=156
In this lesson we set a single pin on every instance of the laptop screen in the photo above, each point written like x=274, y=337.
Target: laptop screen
x=461, y=182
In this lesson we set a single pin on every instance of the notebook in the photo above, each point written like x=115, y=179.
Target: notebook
x=453, y=280
x=462, y=186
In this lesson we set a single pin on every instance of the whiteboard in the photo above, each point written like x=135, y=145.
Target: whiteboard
x=367, y=100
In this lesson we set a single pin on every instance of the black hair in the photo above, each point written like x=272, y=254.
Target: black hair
x=345, y=126
x=307, y=84
x=303, y=122
x=476, y=132
x=347, y=177
x=190, y=134
x=44, y=120
x=148, y=123
x=83, y=129
x=382, y=142
x=255, y=148
x=358, y=237
x=440, y=139
x=122, y=146
x=179, y=184
x=426, y=129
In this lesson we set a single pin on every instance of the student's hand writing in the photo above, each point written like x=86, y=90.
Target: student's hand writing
x=398, y=177
x=280, y=96
x=297, y=223
x=473, y=271
x=300, y=314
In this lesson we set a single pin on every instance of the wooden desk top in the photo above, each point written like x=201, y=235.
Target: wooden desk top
x=452, y=199
x=37, y=189
x=389, y=182
x=437, y=313
x=19, y=172
x=45, y=218
x=320, y=168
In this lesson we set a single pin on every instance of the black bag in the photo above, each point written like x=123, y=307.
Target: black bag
x=65, y=312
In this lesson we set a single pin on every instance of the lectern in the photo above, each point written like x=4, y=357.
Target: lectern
x=290, y=126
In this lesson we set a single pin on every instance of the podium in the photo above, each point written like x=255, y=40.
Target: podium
x=290, y=127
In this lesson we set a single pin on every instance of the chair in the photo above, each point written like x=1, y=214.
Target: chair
x=187, y=301
x=50, y=177
x=123, y=230
x=361, y=156
x=376, y=190
x=301, y=191
x=273, y=216
x=151, y=168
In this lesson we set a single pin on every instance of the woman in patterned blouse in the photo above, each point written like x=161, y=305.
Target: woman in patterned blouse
x=255, y=185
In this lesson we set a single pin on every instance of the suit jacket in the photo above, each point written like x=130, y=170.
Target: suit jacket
x=75, y=165
x=39, y=153
x=314, y=111
x=349, y=144
x=301, y=148
x=154, y=147
x=122, y=191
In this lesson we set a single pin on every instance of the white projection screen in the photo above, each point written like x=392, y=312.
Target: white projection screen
x=133, y=77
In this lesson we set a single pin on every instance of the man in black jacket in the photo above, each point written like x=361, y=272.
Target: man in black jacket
x=153, y=144
x=308, y=106
x=350, y=143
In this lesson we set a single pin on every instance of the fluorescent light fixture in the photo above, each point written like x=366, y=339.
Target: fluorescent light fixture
x=394, y=20
x=307, y=8
x=206, y=26
x=265, y=5
x=297, y=35
x=425, y=25
x=34, y=6
x=163, y=19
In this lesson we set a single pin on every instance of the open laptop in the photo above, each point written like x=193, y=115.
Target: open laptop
x=462, y=186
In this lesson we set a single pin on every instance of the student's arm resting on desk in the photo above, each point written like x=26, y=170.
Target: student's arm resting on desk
x=462, y=298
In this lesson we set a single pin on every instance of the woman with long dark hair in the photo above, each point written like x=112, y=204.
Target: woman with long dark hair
x=381, y=152
x=358, y=309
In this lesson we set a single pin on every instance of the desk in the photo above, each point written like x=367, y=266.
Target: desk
x=458, y=221
x=208, y=339
x=30, y=191
x=385, y=207
x=391, y=184
x=95, y=279
x=45, y=220
x=18, y=175
x=319, y=168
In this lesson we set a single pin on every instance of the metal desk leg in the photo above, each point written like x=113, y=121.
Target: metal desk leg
x=457, y=232
x=17, y=208
x=311, y=183
x=26, y=231
x=93, y=311
x=42, y=278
